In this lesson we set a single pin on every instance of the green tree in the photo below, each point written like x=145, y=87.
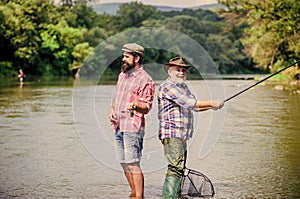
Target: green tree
x=22, y=22
x=80, y=52
x=35, y=36
x=183, y=23
x=226, y=53
x=224, y=49
x=202, y=15
x=133, y=14
x=47, y=39
x=272, y=37
x=80, y=14
x=58, y=43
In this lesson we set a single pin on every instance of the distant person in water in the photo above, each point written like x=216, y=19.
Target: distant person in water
x=21, y=76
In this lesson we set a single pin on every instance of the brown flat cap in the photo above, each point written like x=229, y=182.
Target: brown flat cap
x=134, y=48
x=177, y=61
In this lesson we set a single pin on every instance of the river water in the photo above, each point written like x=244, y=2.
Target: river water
x=56, y=142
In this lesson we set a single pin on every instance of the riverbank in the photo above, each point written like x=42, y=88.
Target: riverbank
x=291, y=86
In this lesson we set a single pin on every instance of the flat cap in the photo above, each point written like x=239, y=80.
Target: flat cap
x=134, y=48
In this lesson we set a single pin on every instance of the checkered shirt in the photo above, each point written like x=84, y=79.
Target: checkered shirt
x=175, y=105
x=136, y=87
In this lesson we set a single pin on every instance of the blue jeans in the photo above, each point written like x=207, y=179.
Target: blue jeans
x=128, y=146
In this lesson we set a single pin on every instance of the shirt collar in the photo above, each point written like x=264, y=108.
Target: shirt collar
x=135, y=72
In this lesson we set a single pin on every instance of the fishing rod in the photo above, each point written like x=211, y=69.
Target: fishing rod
x=229, y=98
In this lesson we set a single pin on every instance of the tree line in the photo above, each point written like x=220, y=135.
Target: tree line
x=47, y=39
x=271, y=34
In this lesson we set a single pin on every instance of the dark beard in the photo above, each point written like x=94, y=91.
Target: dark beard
x=126, y=67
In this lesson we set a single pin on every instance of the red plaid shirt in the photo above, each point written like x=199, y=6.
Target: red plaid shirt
x=136, y=87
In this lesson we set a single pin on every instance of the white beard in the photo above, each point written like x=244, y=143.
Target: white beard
x=178, y=80
x=174, y=77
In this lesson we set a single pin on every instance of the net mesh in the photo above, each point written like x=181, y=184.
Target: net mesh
x=196, y=184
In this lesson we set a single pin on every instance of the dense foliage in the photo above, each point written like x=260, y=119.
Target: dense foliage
x=272, y=36
x=47, y=39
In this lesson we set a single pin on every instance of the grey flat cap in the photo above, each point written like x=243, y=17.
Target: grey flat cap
x=134, y=48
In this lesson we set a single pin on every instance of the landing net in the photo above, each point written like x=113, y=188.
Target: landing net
x=196, y=184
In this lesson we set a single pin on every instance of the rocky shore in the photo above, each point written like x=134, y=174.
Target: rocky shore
x=291, y=86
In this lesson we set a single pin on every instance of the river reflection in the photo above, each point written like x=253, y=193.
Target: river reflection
x=43, y=154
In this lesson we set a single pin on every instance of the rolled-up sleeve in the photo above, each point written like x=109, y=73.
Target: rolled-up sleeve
x=148, y=94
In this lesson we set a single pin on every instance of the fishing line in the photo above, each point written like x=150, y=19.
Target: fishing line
x=233, y=96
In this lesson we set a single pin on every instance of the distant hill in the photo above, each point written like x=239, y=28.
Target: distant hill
x=111, y=8
x=210, y=6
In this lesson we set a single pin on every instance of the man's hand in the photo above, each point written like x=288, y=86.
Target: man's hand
x=207, y=105
x=132, y=107
x=112, y=115
x=215, y=105
x=139, y=107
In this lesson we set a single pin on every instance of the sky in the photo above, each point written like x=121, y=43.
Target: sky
x=173, y=3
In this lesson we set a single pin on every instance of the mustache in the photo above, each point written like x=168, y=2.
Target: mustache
x=126, y=67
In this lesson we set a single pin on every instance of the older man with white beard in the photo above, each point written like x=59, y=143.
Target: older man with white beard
x=175, y=106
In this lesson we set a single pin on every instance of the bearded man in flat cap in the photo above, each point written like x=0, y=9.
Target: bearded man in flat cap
x=175, y=106
x=131, y=101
